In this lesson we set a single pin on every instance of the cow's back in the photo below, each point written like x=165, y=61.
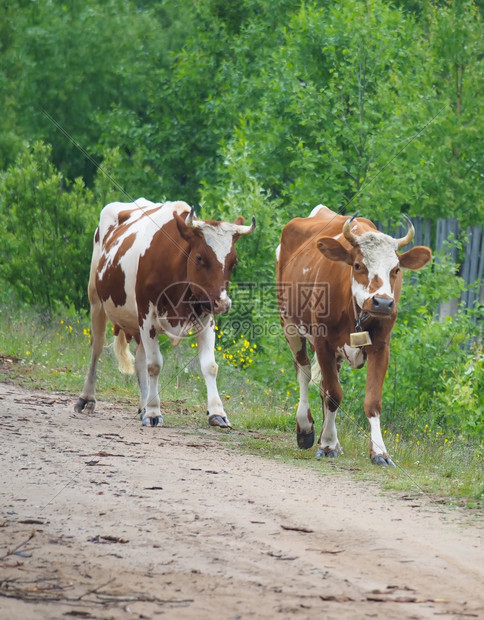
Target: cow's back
x=298, y=250
x=141, y=216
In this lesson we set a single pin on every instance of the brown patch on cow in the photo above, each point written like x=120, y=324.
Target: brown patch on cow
x=149, y=212
x=116, y=329
x=125, y=246
x=167, y=287
x=302, y=358
x=112, y=285
x=153, y=332
x=310, y=417
x=96, y=236
x=375, y=284
x=124, y=215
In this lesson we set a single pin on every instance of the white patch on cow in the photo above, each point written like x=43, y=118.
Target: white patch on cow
x=329, y=434
x=209, y=368
x=379, y=257
x=377, y=443
x=220, y=239
x=123, y=315
x=305, y=270
x=355, y=356
x=223, y=301
x=303, y=377
x=316, y=210
x=278, y=252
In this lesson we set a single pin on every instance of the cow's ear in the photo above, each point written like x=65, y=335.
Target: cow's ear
x=415, y=258
x=185, y=232
x=240, y=221
x=333, y=250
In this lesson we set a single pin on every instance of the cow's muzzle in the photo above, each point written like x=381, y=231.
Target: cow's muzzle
x=382, y=306
x=222, y=306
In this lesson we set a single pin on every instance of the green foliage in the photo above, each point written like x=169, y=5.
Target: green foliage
x=425, y=359
x=361, y=102
x=44, y=243
x=462, y=397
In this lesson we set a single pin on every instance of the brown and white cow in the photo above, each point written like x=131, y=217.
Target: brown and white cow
x=339, y=276
x=157, y=269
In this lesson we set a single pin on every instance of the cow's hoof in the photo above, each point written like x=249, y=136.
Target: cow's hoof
x=218, y=420
x=378, y=459
x=157, y=420
x=305, y=440
x=87, y=406
x=330, y=454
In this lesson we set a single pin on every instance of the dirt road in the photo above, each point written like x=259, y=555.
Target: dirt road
x=102, y=518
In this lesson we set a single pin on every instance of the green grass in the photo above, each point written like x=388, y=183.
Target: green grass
x=261, y=402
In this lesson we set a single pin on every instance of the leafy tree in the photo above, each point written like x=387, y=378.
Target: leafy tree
x=436, y=169
x=66, y=68
x=45, y=241
x=248, y=107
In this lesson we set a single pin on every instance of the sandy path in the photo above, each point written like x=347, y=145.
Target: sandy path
x=132, y=522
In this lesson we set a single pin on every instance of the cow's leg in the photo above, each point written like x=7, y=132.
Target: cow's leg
x=377, y=367
x=331, y=397
x=148, y=364
x=142, y=376
x=304, y=419
x=206, y=355
x=87, y=401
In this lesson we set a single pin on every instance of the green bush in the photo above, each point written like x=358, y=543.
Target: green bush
x=49, y=223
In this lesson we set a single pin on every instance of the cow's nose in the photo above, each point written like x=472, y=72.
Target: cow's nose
x=221, y=306
x=383, y=305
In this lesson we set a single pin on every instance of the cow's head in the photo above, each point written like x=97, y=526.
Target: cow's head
x=212, y=257
x=375, y=265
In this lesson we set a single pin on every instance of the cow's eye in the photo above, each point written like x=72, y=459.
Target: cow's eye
x=397, y=270
x=199, y=260
x=357, y=266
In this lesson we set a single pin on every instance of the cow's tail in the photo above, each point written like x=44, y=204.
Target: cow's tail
x=123, y=354
x=315, y=372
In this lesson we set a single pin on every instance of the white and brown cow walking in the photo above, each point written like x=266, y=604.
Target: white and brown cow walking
x=157, y=269
x=339, y=276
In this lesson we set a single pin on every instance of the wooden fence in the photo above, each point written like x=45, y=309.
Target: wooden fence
x=469, y=263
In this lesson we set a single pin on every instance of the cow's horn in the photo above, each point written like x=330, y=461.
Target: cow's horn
x=408, y=237
x=246, y=230
x=189, y=221
x=347, y=230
